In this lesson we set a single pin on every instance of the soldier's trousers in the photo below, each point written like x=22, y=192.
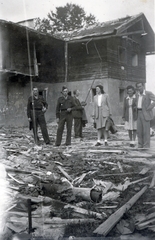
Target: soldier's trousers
x=38, y=119
x=65, y=118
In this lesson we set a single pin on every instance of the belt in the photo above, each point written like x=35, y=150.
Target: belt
x=139, y=109
x=37, y=109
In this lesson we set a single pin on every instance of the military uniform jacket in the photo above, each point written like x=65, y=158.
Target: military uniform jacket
x=63, y=104
x=35, y=104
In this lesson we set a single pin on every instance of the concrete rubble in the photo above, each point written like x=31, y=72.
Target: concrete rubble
x=76, y=192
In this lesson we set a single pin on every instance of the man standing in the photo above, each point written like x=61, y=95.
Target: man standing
x=36, y=107
x=77, y=114
x=145, y=104
x=64, y=109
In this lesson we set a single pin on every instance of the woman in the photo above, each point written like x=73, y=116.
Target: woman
x=102, y=111
x=130, y=114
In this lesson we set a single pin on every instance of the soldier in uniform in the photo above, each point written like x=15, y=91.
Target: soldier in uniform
x=36, y=107
x=65, y=105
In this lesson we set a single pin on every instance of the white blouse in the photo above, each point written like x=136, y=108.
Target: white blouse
x=99, y=100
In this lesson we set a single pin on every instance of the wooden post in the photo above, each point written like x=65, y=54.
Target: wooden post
x=66, y=62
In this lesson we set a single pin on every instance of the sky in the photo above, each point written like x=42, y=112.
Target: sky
x=103, y=10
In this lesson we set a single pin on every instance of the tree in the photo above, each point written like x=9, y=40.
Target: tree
x=67, y=18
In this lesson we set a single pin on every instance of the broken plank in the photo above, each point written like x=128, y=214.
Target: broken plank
x=78, y=180
x=106, y=151
x=146, y=217
x=145, y=224
x=144, y=170
x=108, y=225
x=64, y=173
x=56, y=220
x=16, y=180
x=139, y=160
x=153, y=181
x=120, y=166
x=86, y=212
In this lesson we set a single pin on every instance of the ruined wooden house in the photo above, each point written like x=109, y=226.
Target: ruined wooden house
x=112, y=54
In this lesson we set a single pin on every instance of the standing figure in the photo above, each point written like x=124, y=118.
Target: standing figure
x=130, y=114
x=36, y=107
x=77, y=114
x=64, y=108
x=102, y=111
x=145, y=105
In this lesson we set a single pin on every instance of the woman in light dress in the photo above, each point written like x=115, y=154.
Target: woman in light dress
x=130, y=114
x=102, y=111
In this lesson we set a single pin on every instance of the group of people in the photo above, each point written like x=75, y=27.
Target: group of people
x=68, y=108
x=137, y=114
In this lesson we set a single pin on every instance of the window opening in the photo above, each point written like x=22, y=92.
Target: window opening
x=122, y=54
x=134, y=60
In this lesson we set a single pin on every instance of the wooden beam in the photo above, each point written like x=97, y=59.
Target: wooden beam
x=108, y=225
x=104, y=36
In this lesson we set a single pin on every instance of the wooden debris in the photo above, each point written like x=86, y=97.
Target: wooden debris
x=57, y=220
x=86, y=212
x=106, y=226
x=149, y=203
x=145, y=224
x=19, y=182
x=110, y=196
x=139, y=160
x=106, y=151
x=153, y=181
x=78, y=180
x=120, y=166
x=144, y=170
x=145, y=218
x=64, y=173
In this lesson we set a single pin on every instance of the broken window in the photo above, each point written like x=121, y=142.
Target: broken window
x=122, y=55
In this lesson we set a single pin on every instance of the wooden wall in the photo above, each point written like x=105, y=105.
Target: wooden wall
x=124, y=70
x=105, y=59
x=87, y=61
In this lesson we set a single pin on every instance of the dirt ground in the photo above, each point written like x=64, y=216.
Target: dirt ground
x=68, y=192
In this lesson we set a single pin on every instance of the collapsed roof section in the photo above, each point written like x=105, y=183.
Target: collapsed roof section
x=124, y=27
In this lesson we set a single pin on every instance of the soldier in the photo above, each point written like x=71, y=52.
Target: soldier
x=65, y=105
x=36, y=107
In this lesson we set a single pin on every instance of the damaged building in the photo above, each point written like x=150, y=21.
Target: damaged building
x=112, y=54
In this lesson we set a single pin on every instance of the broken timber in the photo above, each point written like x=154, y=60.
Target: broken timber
x=106, y=151
x=106, y=226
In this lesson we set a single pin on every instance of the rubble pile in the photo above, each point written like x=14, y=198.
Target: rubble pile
x=80, y=190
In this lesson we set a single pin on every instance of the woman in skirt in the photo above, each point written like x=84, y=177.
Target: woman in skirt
x=130, y=114
x=102, y=111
